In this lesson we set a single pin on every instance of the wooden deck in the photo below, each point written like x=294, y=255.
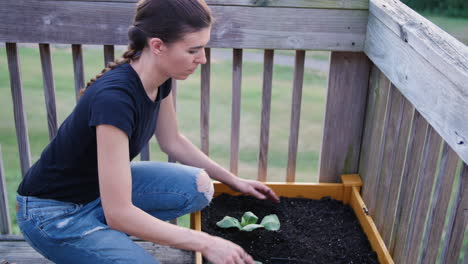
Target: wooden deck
x=13, y=249
x=395, y=109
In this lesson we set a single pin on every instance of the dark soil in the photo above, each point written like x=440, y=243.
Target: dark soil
x=312, y=231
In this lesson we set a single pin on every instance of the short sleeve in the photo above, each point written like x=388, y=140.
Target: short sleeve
x=113, y=107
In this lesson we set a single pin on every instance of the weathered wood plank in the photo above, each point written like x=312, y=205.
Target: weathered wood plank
x=440, y=98
x=458, y=222
x=205, y=103
x=36, y=21
x=392, y=128
x=5, y=222
x=369, y=167
x=145, y=153
x=338, y=4
x=397, y=173
x=344, y=115
x=408, y=187
x=236, y=109
x=423, y=195
x=49, y=89
x=18, y=107
x=21, y=252
x=108, y=54
x=174, y=100
x=266, y=110
x=78, y=70
x=440, y=204
x=441, y=50
x=295, y=115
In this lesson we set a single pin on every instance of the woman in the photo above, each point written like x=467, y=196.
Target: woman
x=79, y=202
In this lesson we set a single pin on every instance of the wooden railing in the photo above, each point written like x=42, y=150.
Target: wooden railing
x=414, y=149
x=396, y=108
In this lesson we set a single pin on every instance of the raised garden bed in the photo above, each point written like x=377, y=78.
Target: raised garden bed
x=273, y=247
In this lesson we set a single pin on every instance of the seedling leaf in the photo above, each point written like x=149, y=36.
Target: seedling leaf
x=228, y=222
x=251, y=227
x=248, y=218
x=271, y=222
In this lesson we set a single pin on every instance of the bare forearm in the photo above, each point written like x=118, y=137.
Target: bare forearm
x=187, y=153
x=134, y=221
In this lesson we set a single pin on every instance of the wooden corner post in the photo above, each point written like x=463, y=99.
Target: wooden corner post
x=344, y=115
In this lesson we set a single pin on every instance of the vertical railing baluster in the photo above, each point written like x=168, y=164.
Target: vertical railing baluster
x=174, y=99
x=49, y=89
x=5, y=223
x=78, y=70
x=266, y=110
x=236, y=109
x=108, y=54
x=295, y=115
x=18, y=107
x=205, y=103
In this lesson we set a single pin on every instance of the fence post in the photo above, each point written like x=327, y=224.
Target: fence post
x=5, y=223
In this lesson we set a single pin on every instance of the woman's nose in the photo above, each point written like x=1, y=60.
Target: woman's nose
x=202, y=58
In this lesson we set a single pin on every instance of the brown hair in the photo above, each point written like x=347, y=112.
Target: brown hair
x=168, y=20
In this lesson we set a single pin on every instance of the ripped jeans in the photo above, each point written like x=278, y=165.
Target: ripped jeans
x=65, y=232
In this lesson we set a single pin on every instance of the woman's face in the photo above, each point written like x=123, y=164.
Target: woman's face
x=180, y=59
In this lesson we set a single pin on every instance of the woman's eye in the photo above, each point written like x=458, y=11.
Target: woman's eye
x=193, y=51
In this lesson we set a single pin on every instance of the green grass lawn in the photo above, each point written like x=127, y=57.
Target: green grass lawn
x=457, y=27
x=188, y=108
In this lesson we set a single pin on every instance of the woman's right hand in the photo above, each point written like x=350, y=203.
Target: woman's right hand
x=222, y=251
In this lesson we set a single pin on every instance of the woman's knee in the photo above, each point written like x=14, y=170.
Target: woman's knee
x=205, y=185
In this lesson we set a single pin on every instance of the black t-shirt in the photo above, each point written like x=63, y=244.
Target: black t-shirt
x=67, y=169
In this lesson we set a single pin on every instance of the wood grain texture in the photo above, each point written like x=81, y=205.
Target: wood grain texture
x=298, y=81
x=458, y=221
x=108, y=54
x=440, y=98
x=408, y=187
x=5, y=222
x=440, y=204
x=422, y=197
x=372, y=150
x=78, y=70
x=265, y=118
x=18, y=107
x=445, y=53
x=392, y=128
x=397, y=172
x=344, y=115
x=107, y=23
x=49, y=89
x=205, y=103
x=369, y=228
x=338, y=4
x=21, y=252
x=236, y=110
x=174, y=100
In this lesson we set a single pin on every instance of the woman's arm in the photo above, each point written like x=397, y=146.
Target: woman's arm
x=178, y=146
x=115, y=185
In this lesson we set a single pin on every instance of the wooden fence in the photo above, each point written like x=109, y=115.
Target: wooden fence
x=396, y=108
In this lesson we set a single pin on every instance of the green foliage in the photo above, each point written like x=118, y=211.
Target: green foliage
x=454, y=8
x=249, y=222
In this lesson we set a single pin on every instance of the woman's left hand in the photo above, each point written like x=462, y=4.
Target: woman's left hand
x=255, y=189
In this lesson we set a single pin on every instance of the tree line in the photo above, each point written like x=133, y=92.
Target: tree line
x=454, y=8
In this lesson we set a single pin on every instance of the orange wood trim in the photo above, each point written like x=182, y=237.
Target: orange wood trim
x=369, y=227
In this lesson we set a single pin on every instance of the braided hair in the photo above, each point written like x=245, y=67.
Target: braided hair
x=168, y=20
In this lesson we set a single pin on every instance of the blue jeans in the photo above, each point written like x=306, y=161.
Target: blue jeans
x=65, y=232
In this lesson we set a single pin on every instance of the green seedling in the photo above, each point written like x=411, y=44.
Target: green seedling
x=249, y=222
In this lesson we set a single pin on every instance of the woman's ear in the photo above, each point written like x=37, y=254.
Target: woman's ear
x=156, y=45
